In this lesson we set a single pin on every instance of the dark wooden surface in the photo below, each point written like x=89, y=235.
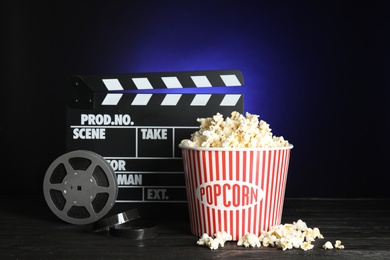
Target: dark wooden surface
x=29, y=230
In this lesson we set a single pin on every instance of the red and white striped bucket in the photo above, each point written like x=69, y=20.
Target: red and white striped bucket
x=235, y=190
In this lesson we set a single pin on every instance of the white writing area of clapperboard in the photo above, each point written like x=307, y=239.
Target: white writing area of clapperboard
x=137, y=131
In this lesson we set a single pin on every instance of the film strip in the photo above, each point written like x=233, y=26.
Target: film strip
x=122, y=118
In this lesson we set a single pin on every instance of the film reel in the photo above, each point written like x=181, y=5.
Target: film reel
x=80, y=187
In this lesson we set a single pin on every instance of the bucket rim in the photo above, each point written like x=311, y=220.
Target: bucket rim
x=197, y=148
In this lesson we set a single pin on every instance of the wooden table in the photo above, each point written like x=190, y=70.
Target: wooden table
x=29, y=230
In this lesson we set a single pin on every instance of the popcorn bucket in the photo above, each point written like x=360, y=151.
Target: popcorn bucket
x=237, y=190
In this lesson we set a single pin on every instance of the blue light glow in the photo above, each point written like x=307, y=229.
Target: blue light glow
x=302, y=63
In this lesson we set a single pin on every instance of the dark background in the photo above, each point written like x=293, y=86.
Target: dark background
x=316, y=71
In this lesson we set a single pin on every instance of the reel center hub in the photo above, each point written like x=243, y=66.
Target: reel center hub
x=79, y=187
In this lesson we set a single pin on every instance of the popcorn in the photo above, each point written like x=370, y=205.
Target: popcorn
x=284, y=236
x=312, y=234
x=307, y=245
x=218, y=241
x=249, y=240
x=222, y=237
x=236, y=131
x=300, y=225
x=338, y=245
x=284, y=243
x=205, y=240
x=328, y=245
x=289, y=236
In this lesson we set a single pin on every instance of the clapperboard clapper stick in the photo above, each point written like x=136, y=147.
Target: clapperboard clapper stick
x=135, y=122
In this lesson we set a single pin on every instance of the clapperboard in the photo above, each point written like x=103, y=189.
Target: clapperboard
x=123, y=119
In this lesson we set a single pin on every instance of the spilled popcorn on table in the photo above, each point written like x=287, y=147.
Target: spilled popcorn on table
x=284, y=236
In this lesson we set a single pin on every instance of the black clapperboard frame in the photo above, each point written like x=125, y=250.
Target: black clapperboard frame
x=123, y=119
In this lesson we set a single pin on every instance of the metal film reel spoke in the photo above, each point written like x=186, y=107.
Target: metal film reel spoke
x=101, y=189
x=68, y=206
x=68, y=167
x=90, y=209
x=80, y=187
x=59, y=187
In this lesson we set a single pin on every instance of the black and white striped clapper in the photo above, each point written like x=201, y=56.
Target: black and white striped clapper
x=136, y=121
